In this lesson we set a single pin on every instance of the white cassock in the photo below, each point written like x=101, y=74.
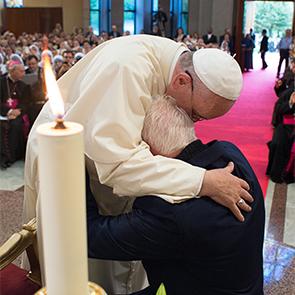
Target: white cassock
x=109, y=92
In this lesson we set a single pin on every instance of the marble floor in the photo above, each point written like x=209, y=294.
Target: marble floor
x=12, y=178
x=279, y=246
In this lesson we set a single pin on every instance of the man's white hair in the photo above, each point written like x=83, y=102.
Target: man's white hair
x=167, y=128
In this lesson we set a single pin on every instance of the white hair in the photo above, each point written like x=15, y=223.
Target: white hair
x=167, y=129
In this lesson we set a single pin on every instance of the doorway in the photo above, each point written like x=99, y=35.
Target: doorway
x=275, y=17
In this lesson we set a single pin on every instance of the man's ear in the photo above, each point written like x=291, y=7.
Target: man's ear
x=181, y=80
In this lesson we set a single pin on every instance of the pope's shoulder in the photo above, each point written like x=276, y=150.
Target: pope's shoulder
x=136, y=44
x=142, y=38
x=132, y=51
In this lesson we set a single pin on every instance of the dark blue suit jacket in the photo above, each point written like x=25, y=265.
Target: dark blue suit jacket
x=196, y=247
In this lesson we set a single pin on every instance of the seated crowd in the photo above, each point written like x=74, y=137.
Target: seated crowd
x=281, y=148
x=22, y=86
x=195, y=41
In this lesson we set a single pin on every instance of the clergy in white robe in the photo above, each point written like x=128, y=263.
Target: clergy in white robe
x=109, y=92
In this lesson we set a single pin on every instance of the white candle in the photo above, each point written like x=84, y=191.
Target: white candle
x=63, y=209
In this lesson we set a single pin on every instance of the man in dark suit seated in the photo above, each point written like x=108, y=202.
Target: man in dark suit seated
x=194, y=247
x=210, y=38
x=287, y=81
x=282, y=141
x=114, y=32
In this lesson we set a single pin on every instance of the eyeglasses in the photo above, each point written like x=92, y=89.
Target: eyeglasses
x=194, y=115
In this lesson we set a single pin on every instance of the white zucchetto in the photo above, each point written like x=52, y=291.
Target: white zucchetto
x=219, y=72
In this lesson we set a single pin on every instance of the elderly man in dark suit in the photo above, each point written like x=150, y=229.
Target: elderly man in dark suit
x=194, y=247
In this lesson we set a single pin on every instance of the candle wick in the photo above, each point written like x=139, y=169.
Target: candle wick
x=59, y=123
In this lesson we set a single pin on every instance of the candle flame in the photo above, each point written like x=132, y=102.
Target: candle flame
x=53, y=93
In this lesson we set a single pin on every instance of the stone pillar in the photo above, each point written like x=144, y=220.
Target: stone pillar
x=117, y=14
x=72, y=14
x=193, y=16
x=165, y=5
x=205, y=16
x=86, y=14
x=222, y=16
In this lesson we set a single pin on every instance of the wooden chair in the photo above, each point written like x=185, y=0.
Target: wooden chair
x=13, y=279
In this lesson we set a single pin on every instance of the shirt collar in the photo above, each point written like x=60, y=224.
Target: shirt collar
x=10, y=78
x=191, y=150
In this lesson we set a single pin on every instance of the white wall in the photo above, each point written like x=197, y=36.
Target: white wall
x=204, y=14
x=222, y=15
x=72, y=11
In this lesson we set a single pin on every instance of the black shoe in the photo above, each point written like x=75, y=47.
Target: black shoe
x=3, y=167
x=6, y=164
x=277, y=179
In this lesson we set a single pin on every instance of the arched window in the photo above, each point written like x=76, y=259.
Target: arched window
x=95, y=9
x=129, y=15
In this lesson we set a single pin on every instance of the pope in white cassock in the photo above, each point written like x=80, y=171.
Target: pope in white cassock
x=109, y=92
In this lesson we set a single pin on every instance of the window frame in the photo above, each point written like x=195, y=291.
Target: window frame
x=134, y=17
x=182, y=14
x=98, y=10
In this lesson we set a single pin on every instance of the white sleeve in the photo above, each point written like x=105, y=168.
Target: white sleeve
x=113, y=135
x=144, y=174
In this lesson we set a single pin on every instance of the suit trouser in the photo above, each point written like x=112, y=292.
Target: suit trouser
x=284, y=55
x=264, y=64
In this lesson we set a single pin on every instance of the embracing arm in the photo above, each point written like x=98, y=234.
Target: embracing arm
x=134, y=236
x=113, y=123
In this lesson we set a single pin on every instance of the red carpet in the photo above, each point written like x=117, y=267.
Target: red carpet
x=248, y=123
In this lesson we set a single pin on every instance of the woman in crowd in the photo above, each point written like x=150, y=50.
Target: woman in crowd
x=179, y=36
x=225, y=44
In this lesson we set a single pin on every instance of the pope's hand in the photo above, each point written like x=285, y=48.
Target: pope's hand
x=226, y=189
